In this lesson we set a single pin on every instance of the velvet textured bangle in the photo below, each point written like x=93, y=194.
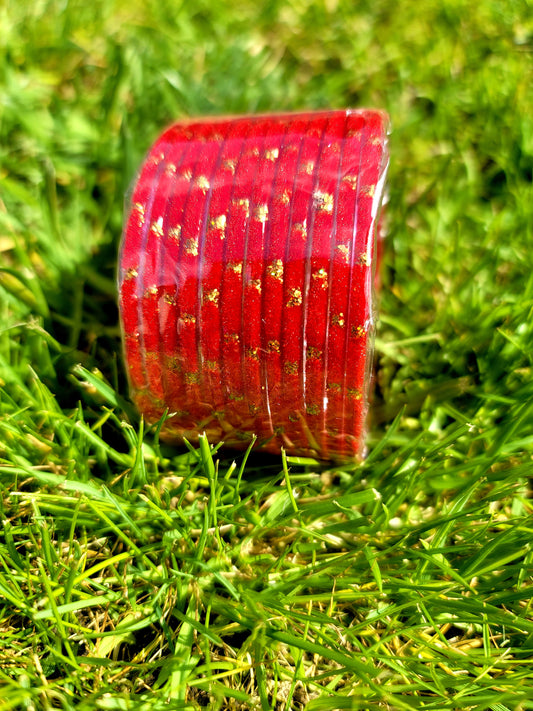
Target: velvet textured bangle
x=246, y=279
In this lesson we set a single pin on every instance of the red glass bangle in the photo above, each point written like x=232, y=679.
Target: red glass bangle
x=246, y=277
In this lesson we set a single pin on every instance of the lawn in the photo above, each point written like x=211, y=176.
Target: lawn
x=134, y=575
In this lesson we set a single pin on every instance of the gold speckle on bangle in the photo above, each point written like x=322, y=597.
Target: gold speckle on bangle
x=321, y=276
x=211, y=366
x=212, y=296
x=357, y=331
x=170, y=169
x=284, y=198
x=236, y=397
x=312, y=409
x=131, y=273
x=174, y=233
x=242, y=203
x=139, y=209
x=323, y=201
x=188, y=318
x=261, y=213
x=186, y=174
x=272, y=154
x=309, y=167
x=252, y=353
x=344, y=250
x=202, y=182
x=156, y=228
x=338, y=319
x=192, y=378
x=273, y=346
x=169, y=299
x=295, y=297
x=218, y=223
x=255, y=284
x=313, y=353
x=355, y=393
x=369, y=190
x=235, y=267
x=364, y=259
x=351, y=180
x=275, y=270
x=229, y=164
x=290, y=367
x=231, y=338
x=301, y=229
x=334, y=387
x=151, y=291
x=191, y=246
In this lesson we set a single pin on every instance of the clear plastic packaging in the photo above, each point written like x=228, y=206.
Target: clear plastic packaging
x=246, y=279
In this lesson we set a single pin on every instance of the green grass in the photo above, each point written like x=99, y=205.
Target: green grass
x=136, y=576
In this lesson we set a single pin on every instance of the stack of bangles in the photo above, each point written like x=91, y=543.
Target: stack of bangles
x=246, y=279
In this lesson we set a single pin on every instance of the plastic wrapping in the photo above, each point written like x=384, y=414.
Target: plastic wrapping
x=246, y=279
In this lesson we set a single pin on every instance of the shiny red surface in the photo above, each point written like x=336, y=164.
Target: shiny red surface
x=246, y=279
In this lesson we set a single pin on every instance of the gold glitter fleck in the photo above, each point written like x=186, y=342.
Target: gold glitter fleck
x=295, y=297
x=156, y=228
x=323, y=201
x=192, y=378
x=203, y=183
x=309, y=167
x=351, y=180
x=284, y=198
x=357, y=331
x=151, y=291
x=290, y=367
x=186, y=174
x=322, y=277
x=231, y=337
x=174, y=233
x=255, y=284
x=313, y=353
x=300, y=227
x=131, y=273
x=354, y=133
x=364, y=259
x=338, y=319
x=139, y=209
x=344, y=251
x=235, y=267
x=375, y=141
x=157, y=158
x=252, y=152
x=369, y=190
x=275, y=270
x=355, y=393
x=273, y=346
x=293, y=417
x=229, y=164
x=335, y=387
x=212, y=296
x=191, y=246
x=252, y=353
x=244, y=203
x=170, y=169
x=261, y=213
x=188, y=318
x=211, y=365
x=272, y=154
x=312, y=409
x=219, y=223
x=169, y=299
